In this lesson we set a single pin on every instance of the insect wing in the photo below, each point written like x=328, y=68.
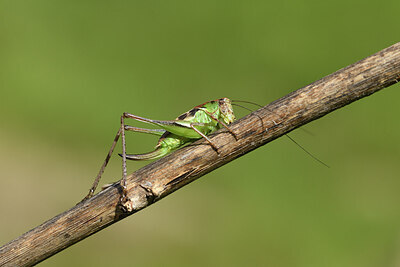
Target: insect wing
x=181, y=128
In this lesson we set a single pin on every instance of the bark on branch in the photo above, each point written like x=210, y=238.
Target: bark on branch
x=158, y=179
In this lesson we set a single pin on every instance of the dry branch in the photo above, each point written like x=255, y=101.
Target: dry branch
x=160, y=178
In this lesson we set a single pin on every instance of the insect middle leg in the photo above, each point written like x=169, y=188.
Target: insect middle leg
x=222, y=123
x=204, y=136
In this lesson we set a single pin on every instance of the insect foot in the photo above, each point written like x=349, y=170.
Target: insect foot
x=126, y=204
x=136, y=199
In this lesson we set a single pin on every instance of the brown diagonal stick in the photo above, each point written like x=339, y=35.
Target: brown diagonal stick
x=160, y=178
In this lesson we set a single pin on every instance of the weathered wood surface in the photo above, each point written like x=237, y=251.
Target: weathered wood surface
x=160, y=178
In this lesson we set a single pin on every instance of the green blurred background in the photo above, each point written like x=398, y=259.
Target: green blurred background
x=68, y=69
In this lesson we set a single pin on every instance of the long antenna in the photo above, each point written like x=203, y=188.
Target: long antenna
x=248, y=102
x=291, y=139
x=234, y=104
x=305, y=150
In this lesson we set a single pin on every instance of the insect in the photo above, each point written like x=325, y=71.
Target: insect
x=197, y=123
x=194, y=124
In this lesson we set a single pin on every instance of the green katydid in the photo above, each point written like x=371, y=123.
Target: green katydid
x=198, y=122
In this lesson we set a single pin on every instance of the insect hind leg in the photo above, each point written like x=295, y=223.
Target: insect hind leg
x=121, y=132
x=123, y=198
x=101, y=171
